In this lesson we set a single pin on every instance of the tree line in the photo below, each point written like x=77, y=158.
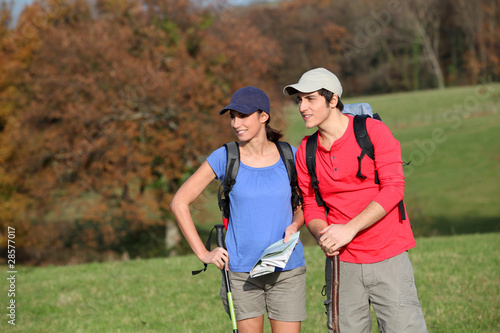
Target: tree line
x=107, y=106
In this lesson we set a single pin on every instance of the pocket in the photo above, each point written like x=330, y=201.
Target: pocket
x=406, y=268
x=409, y=317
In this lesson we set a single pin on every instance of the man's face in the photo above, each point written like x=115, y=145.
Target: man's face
x=313, y=108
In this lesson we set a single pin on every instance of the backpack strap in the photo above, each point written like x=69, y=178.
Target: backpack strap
x=286, y=154
x=233, y=164
x=311, y=146
x=366, y=146
x=232, y=167
x=364, y=143
x=402, y=212
x=207, y=246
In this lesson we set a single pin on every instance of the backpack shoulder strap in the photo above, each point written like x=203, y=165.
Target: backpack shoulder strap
x=232, y=167
x=364, y=142
x=311, y=146
x=286, y=154
x=362, y=136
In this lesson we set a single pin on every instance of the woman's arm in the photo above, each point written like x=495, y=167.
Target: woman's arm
x=184, y=197
x=297, y=223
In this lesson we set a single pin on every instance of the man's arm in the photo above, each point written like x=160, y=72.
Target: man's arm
x=316, y=228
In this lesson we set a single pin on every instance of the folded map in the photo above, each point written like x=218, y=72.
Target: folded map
x=275, y=255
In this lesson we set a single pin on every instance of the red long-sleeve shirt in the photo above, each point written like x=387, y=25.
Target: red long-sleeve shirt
x=347, y=195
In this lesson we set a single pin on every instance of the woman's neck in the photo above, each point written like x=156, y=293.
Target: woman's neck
x=259, y=153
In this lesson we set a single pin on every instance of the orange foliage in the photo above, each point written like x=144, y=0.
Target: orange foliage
x=112, y=107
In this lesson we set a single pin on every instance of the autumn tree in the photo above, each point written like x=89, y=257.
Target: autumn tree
x=423, y=18
x=117, y=105
x=382, y=46
x=307, y=33
x=479, y=22
x=16, y=48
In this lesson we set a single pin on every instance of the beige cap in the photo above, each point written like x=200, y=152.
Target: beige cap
x=314, y=80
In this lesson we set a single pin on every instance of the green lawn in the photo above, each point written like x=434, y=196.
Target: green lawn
x=457, y=279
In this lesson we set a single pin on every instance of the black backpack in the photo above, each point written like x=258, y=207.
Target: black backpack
x=233, y=164
x=364, y=143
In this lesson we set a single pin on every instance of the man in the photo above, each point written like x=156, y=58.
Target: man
x=364, y=224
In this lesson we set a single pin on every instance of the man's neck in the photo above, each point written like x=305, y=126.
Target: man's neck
x=333, y=128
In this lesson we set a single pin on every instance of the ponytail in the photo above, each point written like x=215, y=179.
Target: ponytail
x=272, y=134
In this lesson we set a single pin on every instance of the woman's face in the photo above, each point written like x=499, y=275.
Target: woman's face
x=247, y=126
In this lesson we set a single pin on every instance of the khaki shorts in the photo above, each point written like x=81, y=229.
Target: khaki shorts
x=388, y=286
x=283, y=294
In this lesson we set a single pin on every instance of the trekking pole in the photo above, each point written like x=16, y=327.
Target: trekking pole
x=220, y=243
x=335, y=294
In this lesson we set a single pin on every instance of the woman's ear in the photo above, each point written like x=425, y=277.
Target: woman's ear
x=264, y=116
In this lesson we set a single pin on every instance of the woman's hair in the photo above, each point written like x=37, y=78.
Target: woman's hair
x=272, y=134
x=328, y=95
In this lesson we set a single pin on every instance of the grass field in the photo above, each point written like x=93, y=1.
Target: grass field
x=452, y=188
x=457, y=279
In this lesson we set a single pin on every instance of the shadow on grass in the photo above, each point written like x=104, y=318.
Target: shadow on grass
x=437, y=226
x=446, y=226
x=204, y=232
x=422, y=227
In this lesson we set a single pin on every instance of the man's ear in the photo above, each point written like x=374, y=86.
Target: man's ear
x=334, y=101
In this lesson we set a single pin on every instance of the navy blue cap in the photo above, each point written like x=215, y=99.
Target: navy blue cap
x=247, y=100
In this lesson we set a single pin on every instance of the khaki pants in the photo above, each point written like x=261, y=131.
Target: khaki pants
x=389, y=286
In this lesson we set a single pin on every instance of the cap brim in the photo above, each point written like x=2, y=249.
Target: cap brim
x=292, y=89
x=242, y=108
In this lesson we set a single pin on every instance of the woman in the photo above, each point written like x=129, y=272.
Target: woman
x=260, y=215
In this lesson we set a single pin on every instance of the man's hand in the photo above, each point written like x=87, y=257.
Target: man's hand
x=334, y=237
